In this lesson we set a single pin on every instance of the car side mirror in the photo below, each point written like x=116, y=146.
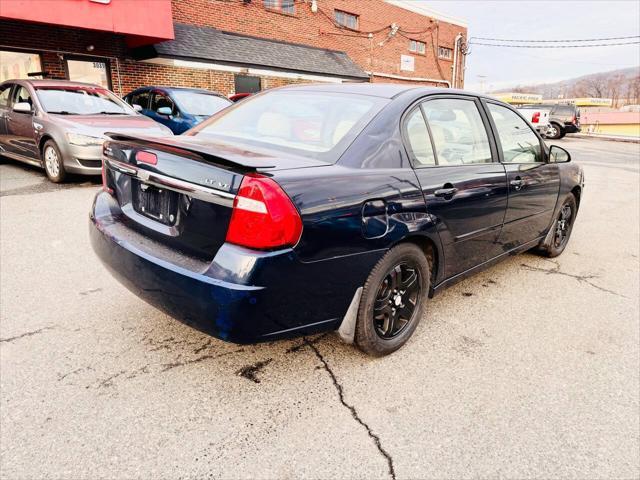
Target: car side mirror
x=558, y=155
x=136, y=107
x=165, y=111
x=22, y=107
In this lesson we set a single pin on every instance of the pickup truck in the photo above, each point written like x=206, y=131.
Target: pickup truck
x=537, y=117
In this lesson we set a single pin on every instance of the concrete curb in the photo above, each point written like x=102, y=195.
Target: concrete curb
x=606, y=137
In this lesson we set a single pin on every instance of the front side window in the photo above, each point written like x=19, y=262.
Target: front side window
x=141, y=99
x=199, y=104
x=446, y=53
x=22, y=95
x=78, y=100
x=518, y=141
x=286, y=6
x=419, y=141
x=346, y=19
x=316, y=125
x=458, y=132
x=160, y=100
x=417, y=46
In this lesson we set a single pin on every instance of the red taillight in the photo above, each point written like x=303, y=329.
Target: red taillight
x=263, y=216
x=105, y=184
x=536, y=117
x=146, y=157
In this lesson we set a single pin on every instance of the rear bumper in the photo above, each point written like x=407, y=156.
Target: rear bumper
x=242, y=296
x=571, y=128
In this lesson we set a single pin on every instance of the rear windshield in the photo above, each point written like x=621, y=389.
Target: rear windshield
x=81, y=101
x=199, y=104
x=313, y=124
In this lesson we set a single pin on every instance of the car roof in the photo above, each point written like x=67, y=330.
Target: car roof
x=383, y=90
x=172, y=89
x=53, y=83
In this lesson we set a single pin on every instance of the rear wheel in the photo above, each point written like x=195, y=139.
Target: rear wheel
x=53, y=163
x=393, y=300
x=558, y=237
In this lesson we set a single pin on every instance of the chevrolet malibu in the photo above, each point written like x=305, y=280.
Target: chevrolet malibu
x=317, y=208
x=60, y=125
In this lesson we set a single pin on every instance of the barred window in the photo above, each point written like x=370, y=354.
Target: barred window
x=285, y=6
x=345, y=19
x=446, y=53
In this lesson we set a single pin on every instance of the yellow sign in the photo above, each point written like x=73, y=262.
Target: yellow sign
x=591, y=102
x=518, y=98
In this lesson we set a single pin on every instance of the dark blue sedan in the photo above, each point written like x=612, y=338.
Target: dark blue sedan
x=329, y=207
x=178, y=108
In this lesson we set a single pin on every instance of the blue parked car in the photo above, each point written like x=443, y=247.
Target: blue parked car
x=321, y=207
x=178, y=108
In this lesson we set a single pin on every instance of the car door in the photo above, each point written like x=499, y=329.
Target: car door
x=5, y=92
x=21, y=137
x=463, y=184
x=533, y=182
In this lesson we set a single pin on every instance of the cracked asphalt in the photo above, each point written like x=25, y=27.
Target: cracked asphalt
x=528, y=370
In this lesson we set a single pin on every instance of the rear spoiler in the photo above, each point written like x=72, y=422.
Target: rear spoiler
x=178, y=146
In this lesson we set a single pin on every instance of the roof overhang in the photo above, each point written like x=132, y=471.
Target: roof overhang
x=209, y=46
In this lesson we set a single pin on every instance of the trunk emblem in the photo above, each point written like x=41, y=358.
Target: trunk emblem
x=215, y=183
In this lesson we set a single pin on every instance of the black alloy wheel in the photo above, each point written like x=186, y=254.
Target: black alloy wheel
x=563, y=226
x=393, y=300
x=558, y=237
x=396, y=300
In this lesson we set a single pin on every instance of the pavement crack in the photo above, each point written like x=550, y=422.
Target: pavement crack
x=580, y=278
x=305, y=343
x=170, y=366
x=354, y=412
x=23, y=335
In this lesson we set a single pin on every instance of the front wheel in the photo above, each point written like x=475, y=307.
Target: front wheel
x=554, y=131
x=53, y=163
x=392, y=300
x=558, y=238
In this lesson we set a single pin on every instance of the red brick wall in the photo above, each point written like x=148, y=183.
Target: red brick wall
x=305, y=27
x=318, y=30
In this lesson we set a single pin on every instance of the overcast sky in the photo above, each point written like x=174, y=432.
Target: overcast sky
x=553, y=20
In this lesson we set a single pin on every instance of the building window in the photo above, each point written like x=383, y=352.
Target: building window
x=348, y=20
x=417, y=46
x=446, y=53
x=285, y=6
x=18, y=65
x=89, y=70
x=247, y=84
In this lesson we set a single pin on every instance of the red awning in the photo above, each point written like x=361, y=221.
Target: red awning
x=142, y=22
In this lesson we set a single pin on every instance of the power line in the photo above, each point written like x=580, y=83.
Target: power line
x=557, y=41
x=553, y=46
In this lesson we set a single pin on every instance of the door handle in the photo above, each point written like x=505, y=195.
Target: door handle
x=517, y=183
x=447, y=191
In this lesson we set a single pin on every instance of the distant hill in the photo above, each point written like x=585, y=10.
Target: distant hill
x=622, y=85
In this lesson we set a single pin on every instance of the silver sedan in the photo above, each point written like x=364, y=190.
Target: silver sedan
x=60, y=125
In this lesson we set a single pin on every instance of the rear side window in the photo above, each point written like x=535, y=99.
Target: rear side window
x=418, y=138
x=4, y=96
x=458, y=131
x=141, y=99
x=519, y=143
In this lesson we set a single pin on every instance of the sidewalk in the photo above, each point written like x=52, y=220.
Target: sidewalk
x=600, y=136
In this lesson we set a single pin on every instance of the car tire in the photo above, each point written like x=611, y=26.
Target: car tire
x=388, y=313
x=52, y=162
x=558, y=237
x=555, y=131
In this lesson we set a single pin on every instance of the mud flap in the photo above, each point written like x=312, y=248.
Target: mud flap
x=347, y=329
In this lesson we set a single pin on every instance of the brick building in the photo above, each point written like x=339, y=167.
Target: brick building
x=230, y=45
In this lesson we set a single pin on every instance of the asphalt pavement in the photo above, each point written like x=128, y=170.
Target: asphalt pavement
x=527, y=370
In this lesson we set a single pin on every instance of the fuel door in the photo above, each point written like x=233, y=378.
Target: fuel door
x=375, y=219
